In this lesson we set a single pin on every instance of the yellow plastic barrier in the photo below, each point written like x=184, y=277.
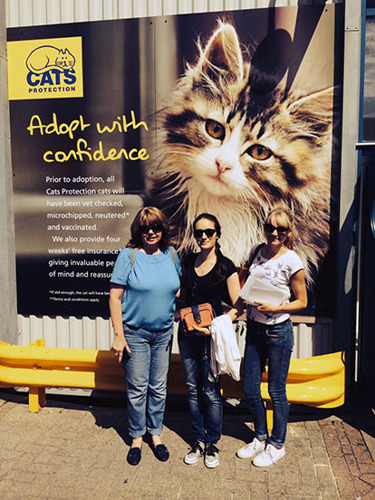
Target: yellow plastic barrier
x=39, y=367
x=317, y=381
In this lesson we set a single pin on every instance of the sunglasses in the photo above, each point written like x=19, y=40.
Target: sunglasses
x=198, y=233
x=155, y=228
x=271, y=228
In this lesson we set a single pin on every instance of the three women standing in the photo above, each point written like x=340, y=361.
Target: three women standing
x=270, y=336
x=144, y=285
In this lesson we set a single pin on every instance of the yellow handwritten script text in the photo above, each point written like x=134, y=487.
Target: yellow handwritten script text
x=82, y=151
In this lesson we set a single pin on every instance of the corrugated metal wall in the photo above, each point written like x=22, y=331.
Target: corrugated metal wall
x=33, y=12
x=311, y=338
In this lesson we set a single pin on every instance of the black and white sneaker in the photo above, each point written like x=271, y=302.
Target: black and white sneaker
x=211, y=456
x=194, y=454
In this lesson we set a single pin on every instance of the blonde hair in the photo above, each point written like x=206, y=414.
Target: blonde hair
x=284, y=217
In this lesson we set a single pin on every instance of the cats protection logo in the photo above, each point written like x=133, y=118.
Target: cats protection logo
x=45, y=69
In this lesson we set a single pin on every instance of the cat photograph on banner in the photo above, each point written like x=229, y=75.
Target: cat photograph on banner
x=252, y=122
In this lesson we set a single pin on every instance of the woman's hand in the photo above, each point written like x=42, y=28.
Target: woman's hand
x=266, y=307
x=297, y=281
x=119, y=345
x=119, y=342
x=202, y=331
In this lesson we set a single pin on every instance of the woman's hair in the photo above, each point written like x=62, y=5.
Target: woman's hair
x=285, y=219
x=211, y=218
x=221, y=267
x=149, y=216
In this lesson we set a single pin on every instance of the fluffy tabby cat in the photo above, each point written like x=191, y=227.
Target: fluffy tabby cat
x=236, y=154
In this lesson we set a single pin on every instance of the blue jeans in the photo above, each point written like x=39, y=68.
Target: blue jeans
x=205, y=402
x=146, y=370
x=272, y=343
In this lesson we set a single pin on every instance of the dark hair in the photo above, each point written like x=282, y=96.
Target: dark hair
x=148, y=216
x=221, y=267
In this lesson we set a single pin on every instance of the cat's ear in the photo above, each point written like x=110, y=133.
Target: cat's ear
x=223, y=53
x=316, y=110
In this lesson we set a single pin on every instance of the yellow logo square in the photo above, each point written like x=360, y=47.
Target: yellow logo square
x=48, y=68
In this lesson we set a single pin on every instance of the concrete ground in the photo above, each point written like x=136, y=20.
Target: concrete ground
x=73, y=449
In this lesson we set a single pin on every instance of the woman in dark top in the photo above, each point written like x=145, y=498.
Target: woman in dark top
x=210, y=277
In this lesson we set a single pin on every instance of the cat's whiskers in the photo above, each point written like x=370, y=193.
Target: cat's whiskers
x=215, y=171
x=244, y=192
x=249, y=193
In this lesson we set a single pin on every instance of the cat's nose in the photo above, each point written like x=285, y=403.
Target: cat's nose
x=222, y=166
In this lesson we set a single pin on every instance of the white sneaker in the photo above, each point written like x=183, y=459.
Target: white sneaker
x=196, y=452
x=269, y=456
x=251, y=450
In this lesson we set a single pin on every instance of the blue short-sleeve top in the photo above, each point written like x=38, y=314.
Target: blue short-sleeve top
x=151, y=283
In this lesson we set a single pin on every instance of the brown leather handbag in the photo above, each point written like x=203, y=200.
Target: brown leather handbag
x=200, y=315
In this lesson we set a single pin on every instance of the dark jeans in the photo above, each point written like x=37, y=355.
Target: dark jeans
x=272, y=343
x=206, y=405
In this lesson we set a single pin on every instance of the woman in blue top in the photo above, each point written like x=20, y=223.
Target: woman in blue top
x=144, y=284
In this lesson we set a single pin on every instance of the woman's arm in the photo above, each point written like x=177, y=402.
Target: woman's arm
x=298, y=285
x=234, y=287
x=179, y=301
x=119, y=343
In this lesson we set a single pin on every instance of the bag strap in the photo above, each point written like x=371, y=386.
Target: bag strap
x=173, y=253
x=252, y=256
x=196, y=314
x=174, y=256
x=132, y=257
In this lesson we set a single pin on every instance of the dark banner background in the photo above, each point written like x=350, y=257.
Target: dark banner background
x=129, y=66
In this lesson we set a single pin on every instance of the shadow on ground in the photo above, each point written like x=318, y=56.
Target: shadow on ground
x=109, y=411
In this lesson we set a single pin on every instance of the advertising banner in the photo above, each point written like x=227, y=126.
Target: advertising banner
x=228, y=113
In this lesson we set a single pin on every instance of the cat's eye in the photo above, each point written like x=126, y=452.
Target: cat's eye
x=215, y=129
x=259, y=152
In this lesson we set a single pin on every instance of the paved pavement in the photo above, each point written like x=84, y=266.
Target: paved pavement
x=72, y=451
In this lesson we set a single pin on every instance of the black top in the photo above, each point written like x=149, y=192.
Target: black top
x=202, y=289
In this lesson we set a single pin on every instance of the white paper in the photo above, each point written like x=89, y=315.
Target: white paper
x=258, y=290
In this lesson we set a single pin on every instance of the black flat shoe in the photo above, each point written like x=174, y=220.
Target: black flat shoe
x=134, y=456
x=161, y=452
